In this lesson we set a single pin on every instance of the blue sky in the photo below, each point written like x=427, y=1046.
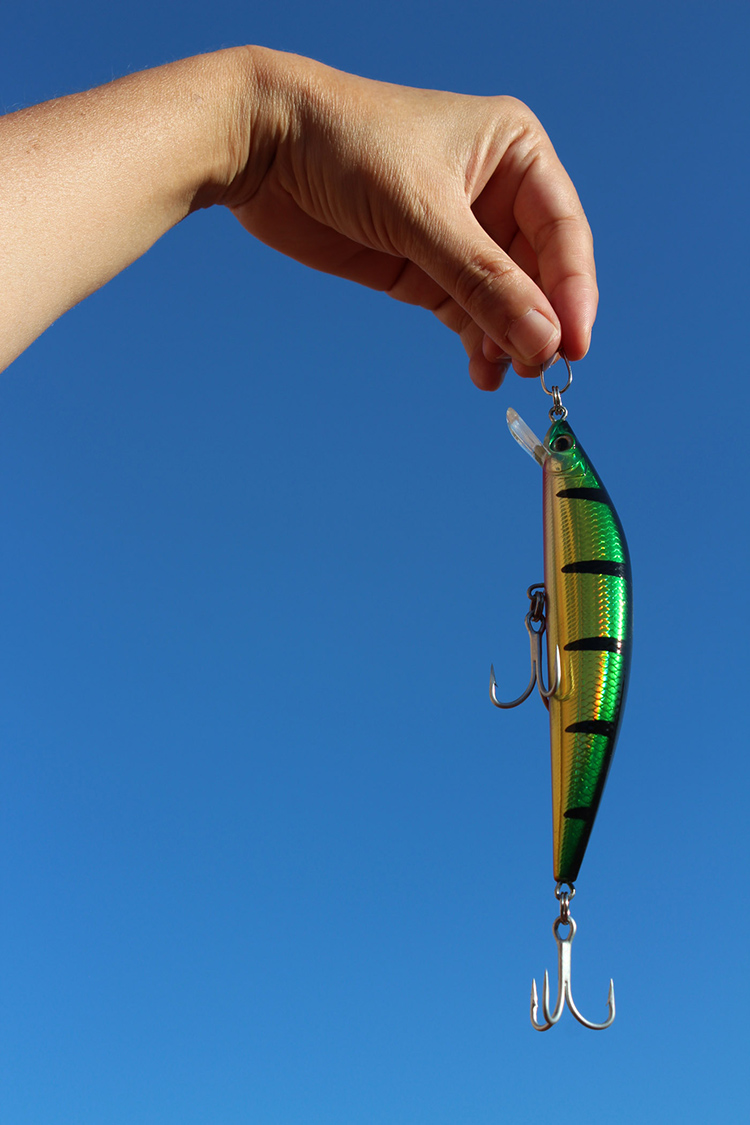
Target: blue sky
x=268, y=853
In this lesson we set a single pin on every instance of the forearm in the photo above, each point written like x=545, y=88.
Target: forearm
x=89, y=182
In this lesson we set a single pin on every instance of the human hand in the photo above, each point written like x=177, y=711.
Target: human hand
x=455, y=203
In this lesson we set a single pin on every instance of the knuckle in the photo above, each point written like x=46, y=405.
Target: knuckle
x=473, y=277
x=479, y=280
x=573, y=227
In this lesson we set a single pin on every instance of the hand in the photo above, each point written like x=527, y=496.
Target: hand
x=455, y=203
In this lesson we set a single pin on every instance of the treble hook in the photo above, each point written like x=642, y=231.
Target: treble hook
x=535, y=616
x=564, y=987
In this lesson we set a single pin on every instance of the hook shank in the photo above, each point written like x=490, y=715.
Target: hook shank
x=564, y=988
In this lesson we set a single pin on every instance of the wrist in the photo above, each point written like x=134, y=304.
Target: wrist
x=278, y=102
x=253, y=96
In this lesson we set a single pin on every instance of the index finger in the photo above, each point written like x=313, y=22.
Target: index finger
x=549, y=213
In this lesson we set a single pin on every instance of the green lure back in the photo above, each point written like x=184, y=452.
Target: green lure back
x=588, y=582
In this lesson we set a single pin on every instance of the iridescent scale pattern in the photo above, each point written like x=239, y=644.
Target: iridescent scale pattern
x=588, y=582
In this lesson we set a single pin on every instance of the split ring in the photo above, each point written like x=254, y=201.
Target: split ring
x=566, y=361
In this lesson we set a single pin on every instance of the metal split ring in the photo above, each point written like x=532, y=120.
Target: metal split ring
x=571, y=891
x=536, y=595
x=566, y=361
x=557, y=410
x=564, y=898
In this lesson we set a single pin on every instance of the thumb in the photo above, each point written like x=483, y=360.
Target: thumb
x=500, y=298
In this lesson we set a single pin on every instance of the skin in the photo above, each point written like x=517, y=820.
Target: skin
x=458, y=204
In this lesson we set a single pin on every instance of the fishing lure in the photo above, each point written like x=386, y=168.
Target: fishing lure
x=585, y=607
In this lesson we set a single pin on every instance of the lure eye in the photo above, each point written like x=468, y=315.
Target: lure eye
x=562, y=443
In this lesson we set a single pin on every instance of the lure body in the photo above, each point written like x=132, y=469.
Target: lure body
x=588, y=584
x=586, y=609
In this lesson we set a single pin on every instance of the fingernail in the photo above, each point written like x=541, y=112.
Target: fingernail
x=531, y=334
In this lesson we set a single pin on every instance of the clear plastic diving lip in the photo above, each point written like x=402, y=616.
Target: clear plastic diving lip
x=525, y=436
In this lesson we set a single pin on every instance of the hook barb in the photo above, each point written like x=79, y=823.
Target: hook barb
x=564, y=988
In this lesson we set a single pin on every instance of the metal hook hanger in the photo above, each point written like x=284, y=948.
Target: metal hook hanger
x=564, y=986
x=535, y=626
x=557, y=410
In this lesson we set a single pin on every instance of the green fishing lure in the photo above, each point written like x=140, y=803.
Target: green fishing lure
x=585, y=607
